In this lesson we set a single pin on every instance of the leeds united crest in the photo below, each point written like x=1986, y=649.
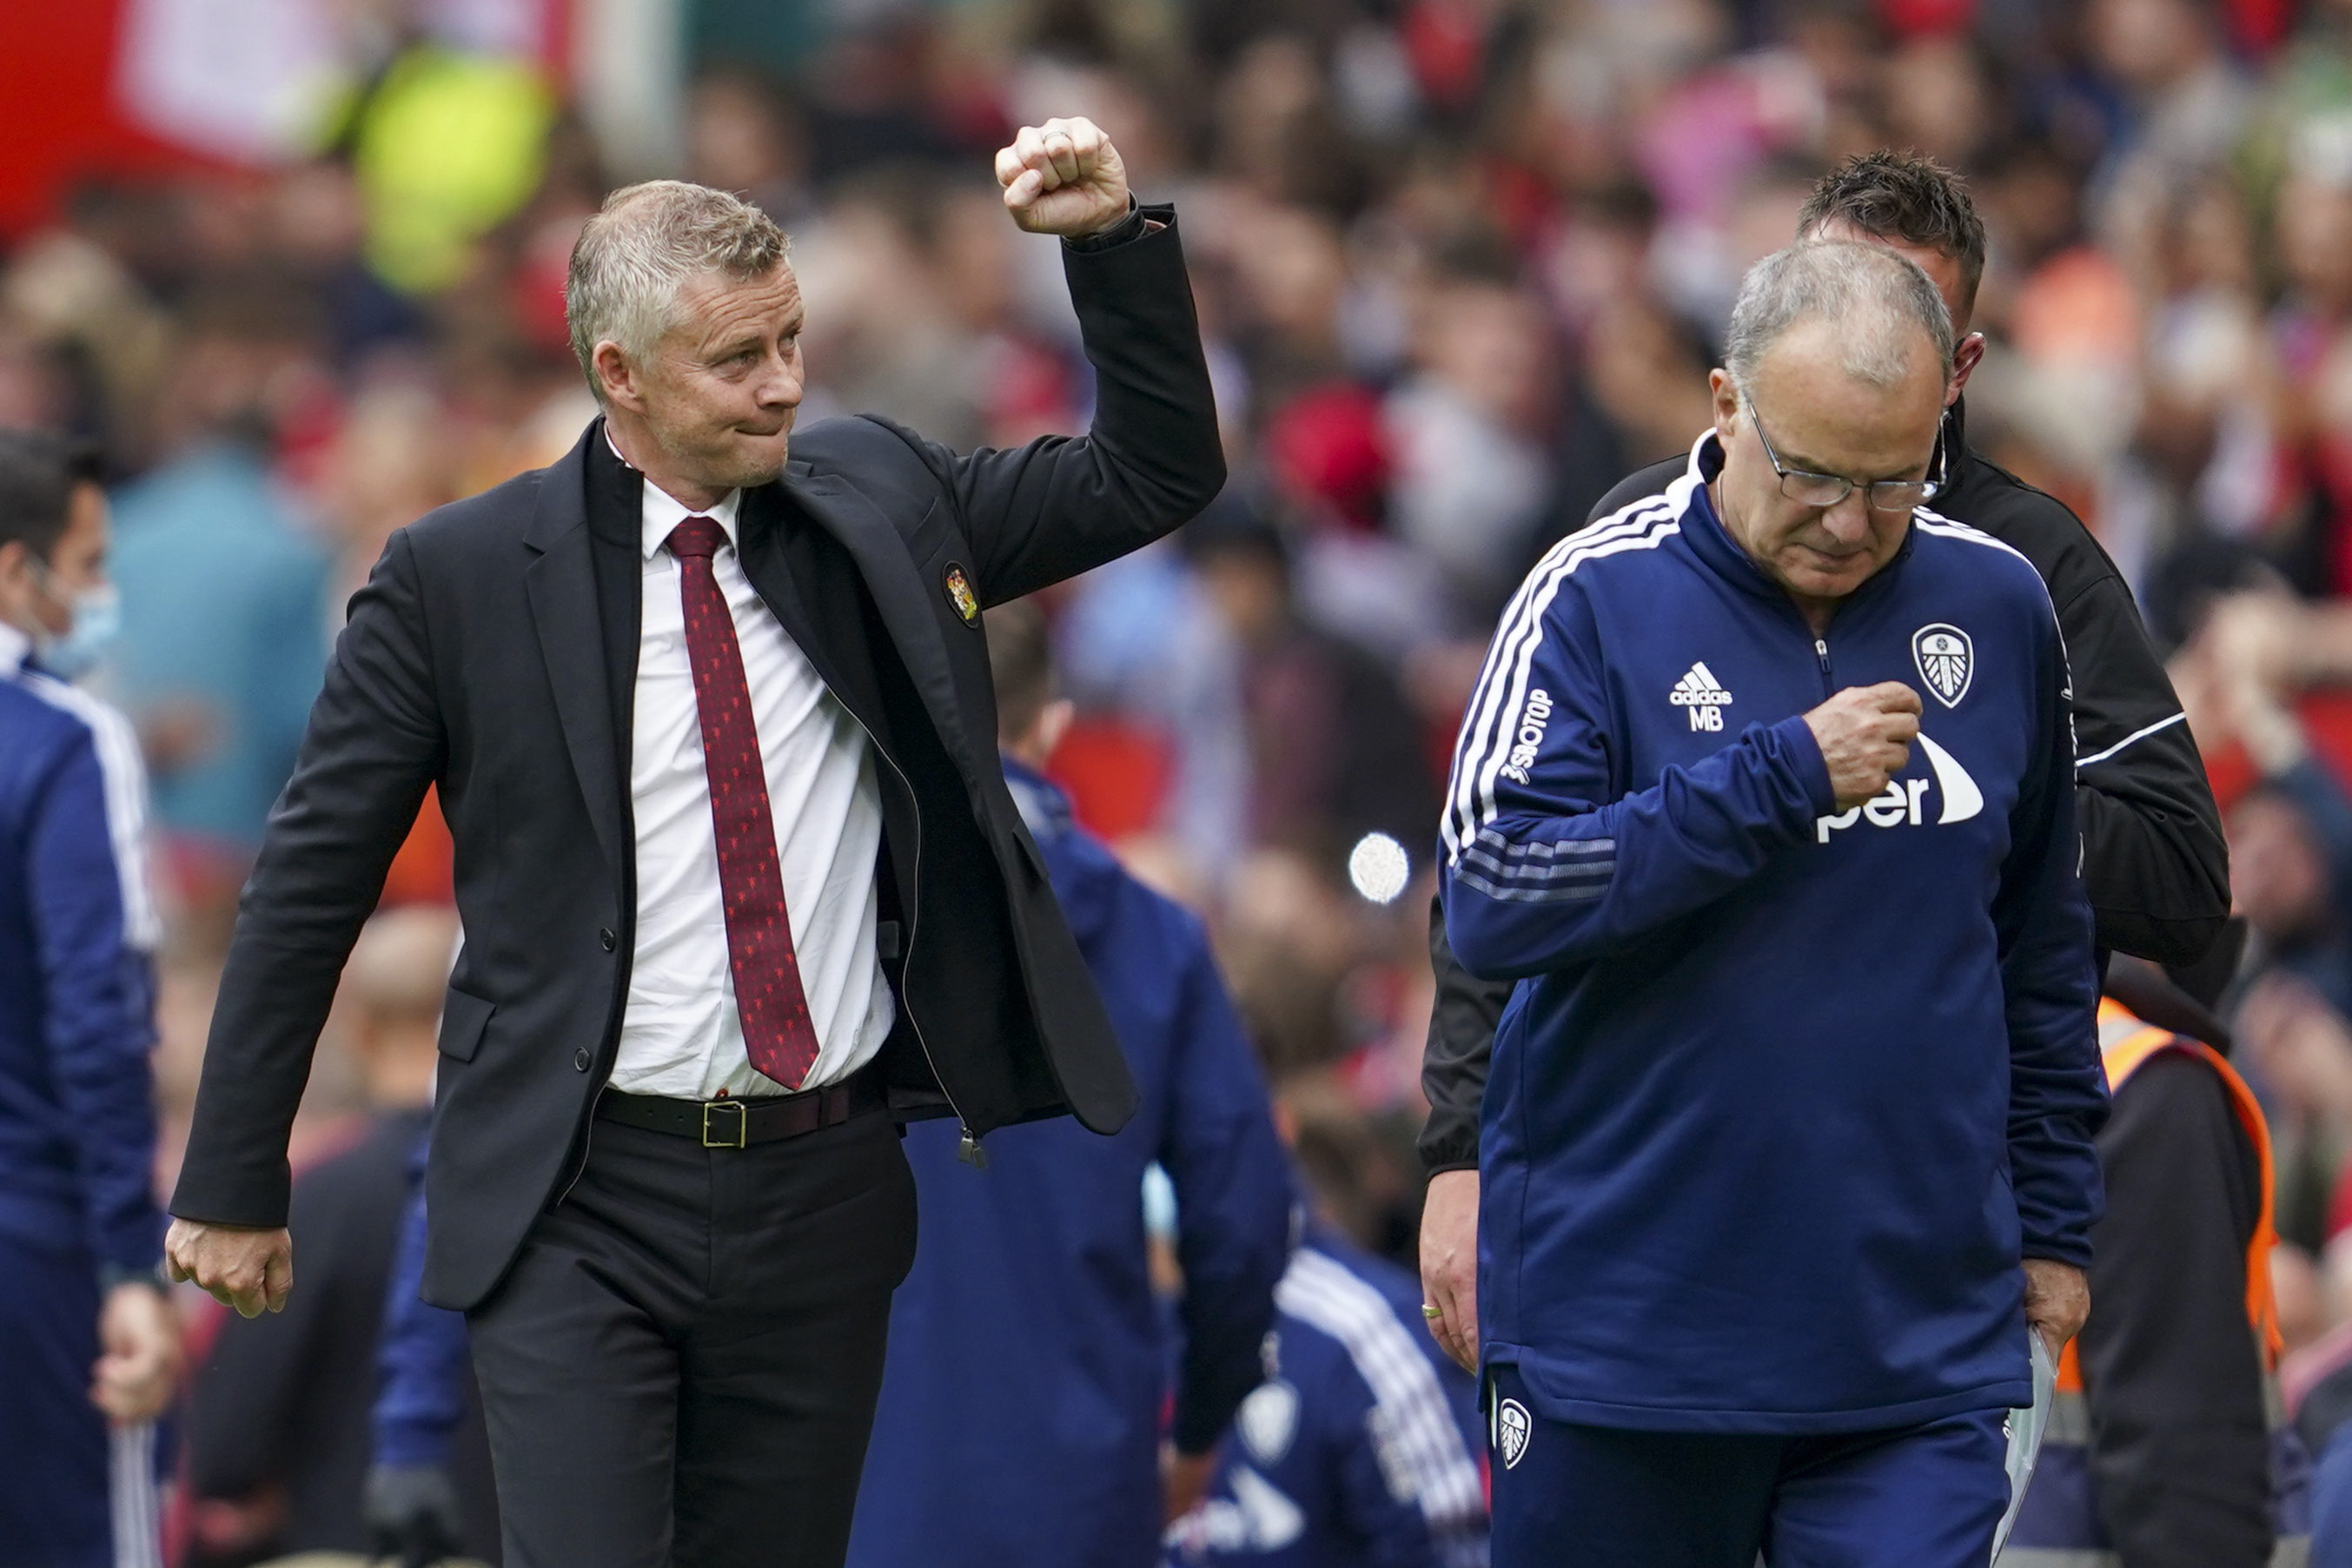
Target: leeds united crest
x=1947, y=661
x=1512, y=1428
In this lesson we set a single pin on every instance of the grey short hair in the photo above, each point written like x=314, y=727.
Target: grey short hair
x=632, y=257
x=1873, y=295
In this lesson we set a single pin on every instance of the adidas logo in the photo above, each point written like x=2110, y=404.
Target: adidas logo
x=1701, y=693
x=1699, y=689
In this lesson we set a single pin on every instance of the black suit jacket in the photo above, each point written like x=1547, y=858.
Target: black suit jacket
x=493, y=653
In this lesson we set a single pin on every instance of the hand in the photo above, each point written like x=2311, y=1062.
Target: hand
x=1865, y=734
x=1449, y=1263
x=1184, y=1479
x=410, y=1513
x=236, y=1265
x=2057, y=1299
x=139, y=1336
x=1063, y=177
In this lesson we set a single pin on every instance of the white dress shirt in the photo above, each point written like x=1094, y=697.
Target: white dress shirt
x=680, y=1035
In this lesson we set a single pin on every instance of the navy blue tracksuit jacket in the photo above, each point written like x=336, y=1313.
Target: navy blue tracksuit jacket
x=1362, y=1448
x=76, y=1117
x=1789, y=1091
x=77, y=1104
x=1021, y=1405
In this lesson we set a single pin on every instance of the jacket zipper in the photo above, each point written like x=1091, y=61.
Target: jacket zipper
x=968, y=1150
x=1822, y=652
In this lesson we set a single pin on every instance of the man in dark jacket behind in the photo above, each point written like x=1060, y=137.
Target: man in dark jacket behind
x=2154, y=863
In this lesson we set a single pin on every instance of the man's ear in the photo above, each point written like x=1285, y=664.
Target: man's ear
x=1726, y=404
x=618, y=377
x=1966, y=357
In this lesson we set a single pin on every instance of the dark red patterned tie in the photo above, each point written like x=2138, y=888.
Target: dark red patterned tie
x=777, y=1032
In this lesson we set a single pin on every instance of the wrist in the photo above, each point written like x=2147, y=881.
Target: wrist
x=1117, y=229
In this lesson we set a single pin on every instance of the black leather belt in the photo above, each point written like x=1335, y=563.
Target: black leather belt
x=739, y=1124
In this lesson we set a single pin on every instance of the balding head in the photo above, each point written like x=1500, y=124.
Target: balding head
x=1887, y=312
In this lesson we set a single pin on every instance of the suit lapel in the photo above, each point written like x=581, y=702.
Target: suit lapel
x=882, y=560
x=561, y=586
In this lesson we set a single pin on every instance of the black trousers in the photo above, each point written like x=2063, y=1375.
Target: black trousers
x=681, y=1368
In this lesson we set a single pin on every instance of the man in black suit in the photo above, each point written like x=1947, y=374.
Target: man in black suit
x=710, y=714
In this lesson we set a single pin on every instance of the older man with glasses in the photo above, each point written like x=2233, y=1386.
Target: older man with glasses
x=1766, y=799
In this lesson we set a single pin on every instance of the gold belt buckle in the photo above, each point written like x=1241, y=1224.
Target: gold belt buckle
x=742, y=1135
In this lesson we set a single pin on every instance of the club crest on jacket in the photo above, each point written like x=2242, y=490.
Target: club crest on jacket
x=1947, y=661
x=959, y=594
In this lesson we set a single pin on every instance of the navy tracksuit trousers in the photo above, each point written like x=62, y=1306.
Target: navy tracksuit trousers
x=1589, y=1497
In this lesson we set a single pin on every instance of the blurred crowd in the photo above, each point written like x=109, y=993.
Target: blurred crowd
x=1461, y=265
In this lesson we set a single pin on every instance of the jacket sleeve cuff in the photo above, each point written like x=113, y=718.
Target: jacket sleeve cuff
x=1132, y=227
x=1795, y=749
x=2072, y=1252
x=1448, y=1141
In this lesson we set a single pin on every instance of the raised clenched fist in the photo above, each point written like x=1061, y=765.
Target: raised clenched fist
x=1063, y=177
x=1865, y=734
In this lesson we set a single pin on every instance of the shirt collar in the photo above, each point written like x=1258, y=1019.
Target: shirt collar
x=16, y=650
x=662, y=512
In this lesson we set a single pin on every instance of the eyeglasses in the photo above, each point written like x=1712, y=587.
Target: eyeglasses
x=1826, y=490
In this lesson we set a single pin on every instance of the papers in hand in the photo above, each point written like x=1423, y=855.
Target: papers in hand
x=2025, y=1429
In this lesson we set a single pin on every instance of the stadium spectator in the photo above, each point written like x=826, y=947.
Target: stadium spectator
x=88, y=1341
x=223, y=598
x=1334, y=749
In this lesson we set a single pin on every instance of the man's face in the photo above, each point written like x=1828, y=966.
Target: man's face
x=720, y=389
x=1822, y=419
x=38, y=595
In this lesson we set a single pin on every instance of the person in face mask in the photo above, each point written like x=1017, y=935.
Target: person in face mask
x=58, y=600
x=89, y=1344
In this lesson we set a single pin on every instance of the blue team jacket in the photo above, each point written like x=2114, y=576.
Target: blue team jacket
x=1362, y=1449
x=1021, y=1412
x=1788, y=1090
x=77, y=1099
x=421, y=1353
